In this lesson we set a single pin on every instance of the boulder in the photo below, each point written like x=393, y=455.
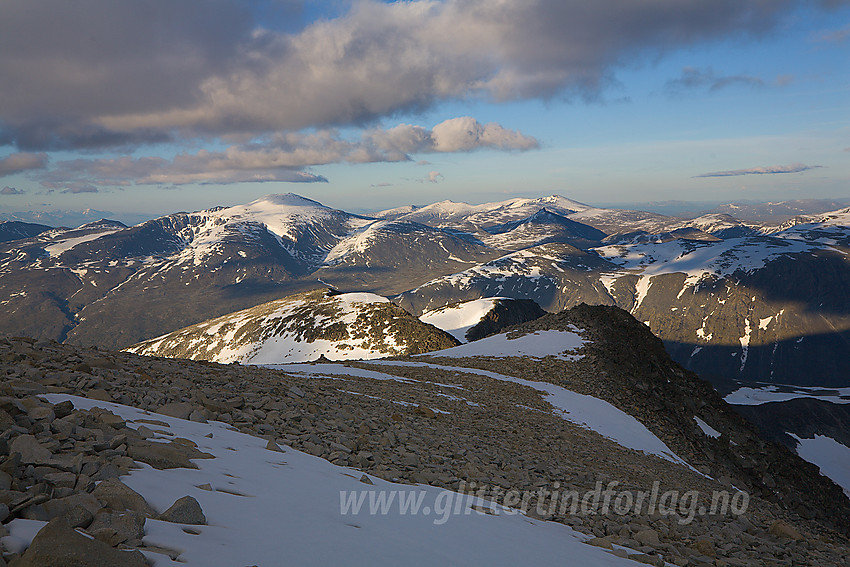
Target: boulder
x=165, y=455
x=180, y=410
x=32, y=452
x=58, y=544
x=118, y=496
x=185, y=510
x=118, y=527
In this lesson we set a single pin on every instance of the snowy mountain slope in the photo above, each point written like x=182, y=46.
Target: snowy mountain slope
x=781, y=211
x=302, y=328
x=540, y=228
x=550, y=274
x=124, y=284
x=472, y=320
x=448, y=214
x=812, y=422
x=459, y=318
x=390, y=256
x=758, y=307
x=539, y=344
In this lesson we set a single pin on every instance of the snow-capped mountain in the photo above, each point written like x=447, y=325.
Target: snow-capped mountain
x=539, y=228
x=553, y=275
x=761, y=307
x=391, y=256
x=731, y=299
x=301, y=328
x=448, y=214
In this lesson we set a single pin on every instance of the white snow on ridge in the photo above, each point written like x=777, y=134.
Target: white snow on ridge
x=458, y=318
x=255, y=335
x=358, y=241
x=58, y=248
x=694, y=259
x=706, y=428
x=538, y=344
x=748, y=396
x=269, y=508
x=832, y=457
x=583, y=410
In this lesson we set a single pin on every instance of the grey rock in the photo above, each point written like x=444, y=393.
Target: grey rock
x=647, y=537
x=59, y=506
x=165, y=456
x=58, y=544
x=180, y=410
x=118, y=527
x=118, y=496
x=32, y=452
x=5, y=481
x=185, y=510
x=63, y=409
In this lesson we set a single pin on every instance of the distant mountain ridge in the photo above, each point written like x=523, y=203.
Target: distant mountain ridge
x=731, y=299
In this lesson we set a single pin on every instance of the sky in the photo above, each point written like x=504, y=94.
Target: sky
x=154, y=106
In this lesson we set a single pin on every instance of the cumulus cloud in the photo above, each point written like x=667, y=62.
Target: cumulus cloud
x=769, y=170
x=19, y=162
x=10, y=191
x=135, y=75
x=287, y=156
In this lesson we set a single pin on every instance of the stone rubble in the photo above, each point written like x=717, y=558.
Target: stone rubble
x=446, y=428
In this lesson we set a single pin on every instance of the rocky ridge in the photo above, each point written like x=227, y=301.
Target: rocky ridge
x=300, y=328
x=443, y=427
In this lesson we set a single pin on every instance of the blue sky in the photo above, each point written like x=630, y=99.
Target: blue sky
x=371, y=105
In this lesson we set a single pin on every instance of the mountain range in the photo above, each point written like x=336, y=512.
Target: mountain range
x=732, y=300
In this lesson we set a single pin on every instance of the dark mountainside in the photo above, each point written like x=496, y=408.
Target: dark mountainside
x=16, y=230
x=505, y=313
x=628, y=366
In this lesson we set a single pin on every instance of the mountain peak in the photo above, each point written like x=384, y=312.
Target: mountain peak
x=286, y=200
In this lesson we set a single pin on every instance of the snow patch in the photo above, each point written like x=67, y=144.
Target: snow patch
x=267, y=507
x=538, y=345
x=706, y=428
x=832, y=457
x=457, y=319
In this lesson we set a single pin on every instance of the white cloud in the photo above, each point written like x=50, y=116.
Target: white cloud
x=210, y=70
x=286, y=156
x=465, y=134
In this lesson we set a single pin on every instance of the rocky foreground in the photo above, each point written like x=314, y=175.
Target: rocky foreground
x=447, y=426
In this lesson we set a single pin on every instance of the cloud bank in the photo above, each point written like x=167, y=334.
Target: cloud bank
x=284, y=157
x=133, y=75
x=20, y=162
x=769, y=170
